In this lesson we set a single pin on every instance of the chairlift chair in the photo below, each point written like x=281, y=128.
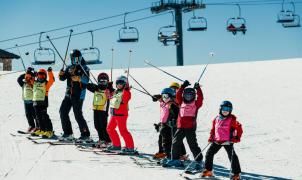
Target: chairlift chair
x=43, y=55
x=128, y=33
x=197, y=23
x=168, y=35
x=92, y=53
x=286, y=16
x=236, y=24
x=295, y=23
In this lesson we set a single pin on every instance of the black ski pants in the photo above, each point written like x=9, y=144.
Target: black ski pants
x=167, y=136
x=190, y=135
x=76, y=105
x=31, y=115
x=43, y=118
x=214, y=148
x=100, y=124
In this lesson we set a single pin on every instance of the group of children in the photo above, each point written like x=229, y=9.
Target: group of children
x=179, y=105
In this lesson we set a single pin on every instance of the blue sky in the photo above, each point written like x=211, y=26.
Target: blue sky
x=265, y=39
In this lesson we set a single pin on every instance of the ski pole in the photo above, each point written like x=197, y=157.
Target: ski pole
x=139, y=90
x=129, y=64
x=139, y=84
x=67, y=48
x=63, y=59
x=111, y=64
x=147, y=62
x=21, y=57
x=211, y=54
x=194, y=159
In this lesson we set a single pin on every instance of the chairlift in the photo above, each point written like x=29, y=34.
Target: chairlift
x=128, y=33
x=43, y=55
x=286, y=16
x=92, y=53
x=197, y=23
x=237, y=24
x=295, y=23
x=168, y=35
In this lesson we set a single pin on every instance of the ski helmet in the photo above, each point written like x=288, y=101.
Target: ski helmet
x=41, y=75
x=174, y=85
x=189, y=95
x=226, y=106
x=121, y=80
x=103, y=79
x=168, y=91
x=75, y=56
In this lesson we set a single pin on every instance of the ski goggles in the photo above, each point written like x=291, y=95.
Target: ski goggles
x=121, y=82
x=165, y=96
x=41, y=76
x=103, y=82
x=226, y=108
x=189, y=96
x=75, y=60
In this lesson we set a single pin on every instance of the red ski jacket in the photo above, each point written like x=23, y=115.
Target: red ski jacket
x=188, y=122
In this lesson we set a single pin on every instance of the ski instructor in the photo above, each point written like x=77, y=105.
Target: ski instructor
x=77, y=76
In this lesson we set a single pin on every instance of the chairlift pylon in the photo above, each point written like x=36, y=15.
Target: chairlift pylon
x=237, y=24
x=197, y=23
x=92, y=53
x=168, y=35
x=43, y=55
x=128, y=33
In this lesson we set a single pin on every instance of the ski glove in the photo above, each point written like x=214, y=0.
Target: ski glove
x=196, y=85
x=156, y=97
x=185, y=84
x=235, y=139
x=61, y=73
x=49, y=69
x=156, y=126
x=29, y=70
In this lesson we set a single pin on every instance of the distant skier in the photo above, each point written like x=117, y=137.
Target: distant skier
x=119, y=115
x=102, y=93
x=26, y=81
x=40, y=101
x=186, y=125
x=226, y=131
x=77, y=76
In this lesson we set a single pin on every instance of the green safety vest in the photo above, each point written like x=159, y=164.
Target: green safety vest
x=39, y=91
x=99, y=98
x=27, y=93
x=116, y=100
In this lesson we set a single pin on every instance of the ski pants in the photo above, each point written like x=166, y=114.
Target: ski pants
x=121, y=123
x=190, y=135
x=167, y=136
x=76, y=105
x=30, y=115
x=214, y=148
x=43, y=118
x=100, y=124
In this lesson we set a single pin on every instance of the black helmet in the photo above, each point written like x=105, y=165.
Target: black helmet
x=189, y=95
x=226, y=106
x=75, y=56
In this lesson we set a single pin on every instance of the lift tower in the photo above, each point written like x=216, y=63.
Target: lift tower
x=179, y=6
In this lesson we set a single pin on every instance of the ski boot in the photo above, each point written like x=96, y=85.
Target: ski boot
x=235, y=177
x=130, y=151
x=159, y=155
x=37, y=132
x=206, y=173
x=48, y=135
x=66, y=137
x=30, y=130
x=103, y=144
x=194, y=167
x=84, y=139
x=114, y=148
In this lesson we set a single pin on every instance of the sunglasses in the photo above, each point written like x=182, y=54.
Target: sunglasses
x=225, y=108
x=120, y=82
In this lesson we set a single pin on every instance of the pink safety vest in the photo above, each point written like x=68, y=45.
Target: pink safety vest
x=188, y=110
x=164, y=112
x=222, y=129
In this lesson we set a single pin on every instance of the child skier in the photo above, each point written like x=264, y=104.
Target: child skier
x=102, y=92
x=119, y=115
x=224, y=133
x=186, y=125
x=167, y=126
x=40, y=101
x=26, y=81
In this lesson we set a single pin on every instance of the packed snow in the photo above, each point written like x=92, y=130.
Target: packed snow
x=266, y=95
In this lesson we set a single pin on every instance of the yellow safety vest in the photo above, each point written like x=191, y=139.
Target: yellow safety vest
x=27, y=92
x=99, y=100
x=39, y=91
x=116, y=100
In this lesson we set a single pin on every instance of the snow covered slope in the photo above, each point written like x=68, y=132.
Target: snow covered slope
x=267, y=99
